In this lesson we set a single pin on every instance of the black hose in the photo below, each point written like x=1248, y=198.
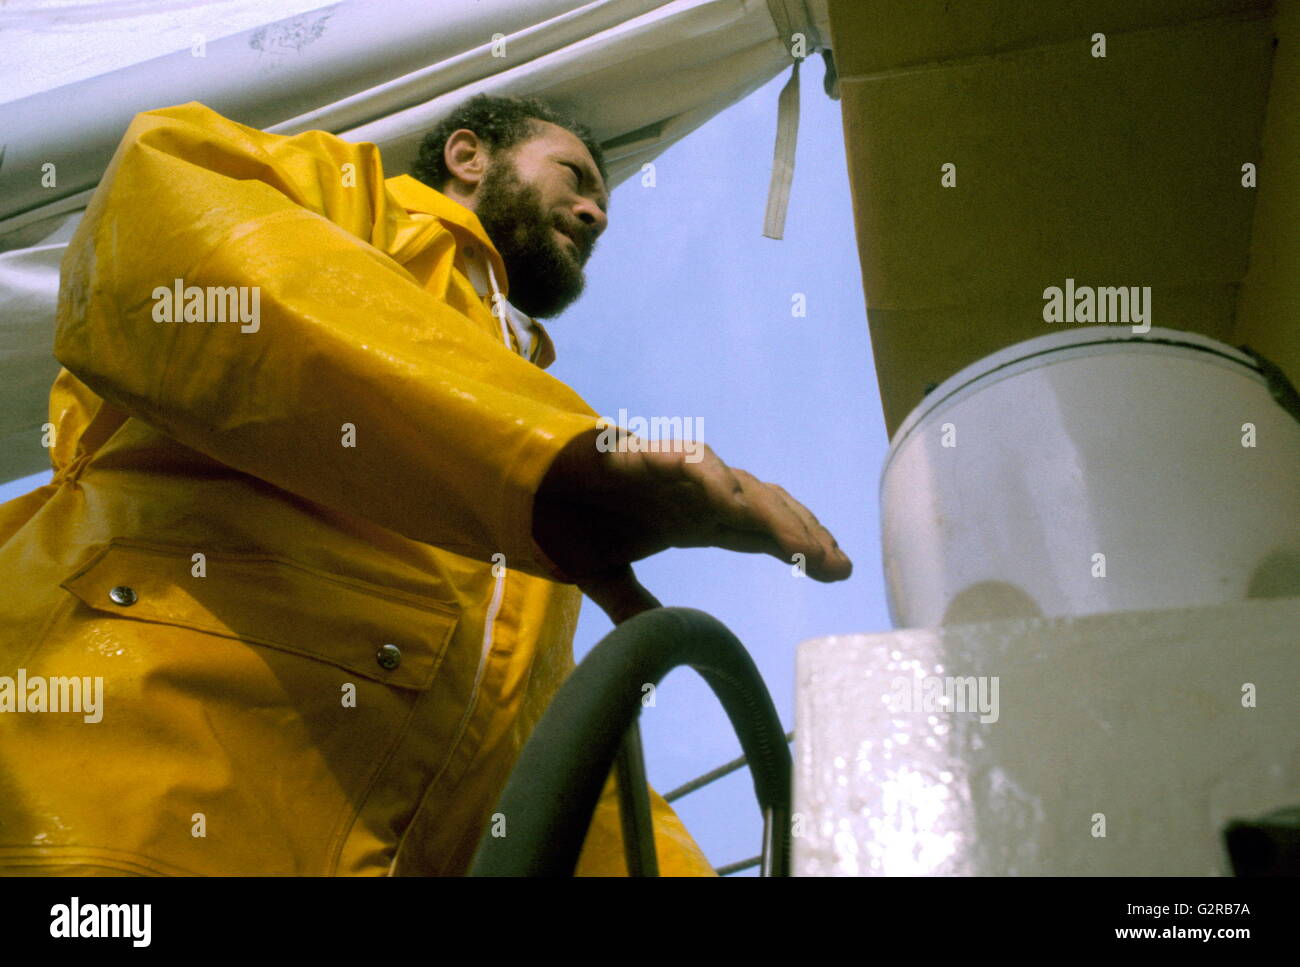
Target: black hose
x=553, y=790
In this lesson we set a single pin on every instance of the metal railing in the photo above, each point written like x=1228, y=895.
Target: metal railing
x=699, y=782
x=713, y=775
x=591, y=728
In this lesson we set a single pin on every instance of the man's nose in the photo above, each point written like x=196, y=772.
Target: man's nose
x=592, y=217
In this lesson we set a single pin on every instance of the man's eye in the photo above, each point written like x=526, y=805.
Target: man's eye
x=577, y=177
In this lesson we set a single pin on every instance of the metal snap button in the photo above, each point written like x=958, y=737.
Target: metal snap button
x=389, y=657
x=122, y=595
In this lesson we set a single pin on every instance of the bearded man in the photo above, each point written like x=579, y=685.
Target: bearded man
x=324, y=566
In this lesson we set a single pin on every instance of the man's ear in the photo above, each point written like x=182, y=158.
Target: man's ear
x=466, y=158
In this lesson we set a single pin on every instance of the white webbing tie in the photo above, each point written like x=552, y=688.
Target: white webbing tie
x=791, y=17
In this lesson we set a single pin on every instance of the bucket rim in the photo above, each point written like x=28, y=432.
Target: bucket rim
x=1047, y=344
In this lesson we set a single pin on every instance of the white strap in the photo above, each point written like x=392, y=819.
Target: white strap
x=790, y=17
x=787, y=138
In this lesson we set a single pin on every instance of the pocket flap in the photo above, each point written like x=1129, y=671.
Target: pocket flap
x=381, y=634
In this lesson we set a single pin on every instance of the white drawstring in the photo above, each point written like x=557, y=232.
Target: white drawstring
x=501, y=308
x=497, y=299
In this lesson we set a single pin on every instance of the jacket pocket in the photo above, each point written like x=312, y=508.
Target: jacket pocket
x=252, y=718
x=380, y=634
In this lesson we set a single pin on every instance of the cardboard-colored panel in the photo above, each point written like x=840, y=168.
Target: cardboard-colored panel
x=924, y=346
x=1268, y=312
x=876, y=35
x=1122, y=171
x=1115, y=171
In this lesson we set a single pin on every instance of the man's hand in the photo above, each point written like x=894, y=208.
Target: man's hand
x=596, y=512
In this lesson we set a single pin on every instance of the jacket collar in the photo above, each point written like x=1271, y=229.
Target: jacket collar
x=416, y=196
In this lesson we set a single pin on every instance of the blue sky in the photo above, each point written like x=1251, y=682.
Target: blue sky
x=688, y=313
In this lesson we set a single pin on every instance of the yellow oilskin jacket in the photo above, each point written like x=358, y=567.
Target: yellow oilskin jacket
x=280, y=610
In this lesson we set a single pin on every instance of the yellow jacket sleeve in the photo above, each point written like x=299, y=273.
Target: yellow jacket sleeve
x=452, y=430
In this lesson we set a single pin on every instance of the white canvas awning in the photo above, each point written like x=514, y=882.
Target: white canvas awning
x=640, y=73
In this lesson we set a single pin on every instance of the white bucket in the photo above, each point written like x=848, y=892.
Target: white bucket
x=1091, y=471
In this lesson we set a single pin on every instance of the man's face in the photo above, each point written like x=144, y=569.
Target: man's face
x=543, y=205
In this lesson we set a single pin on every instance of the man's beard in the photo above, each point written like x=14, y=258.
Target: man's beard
x=545, y=276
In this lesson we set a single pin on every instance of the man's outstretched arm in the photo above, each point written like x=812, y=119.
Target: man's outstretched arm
x=598, y=510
